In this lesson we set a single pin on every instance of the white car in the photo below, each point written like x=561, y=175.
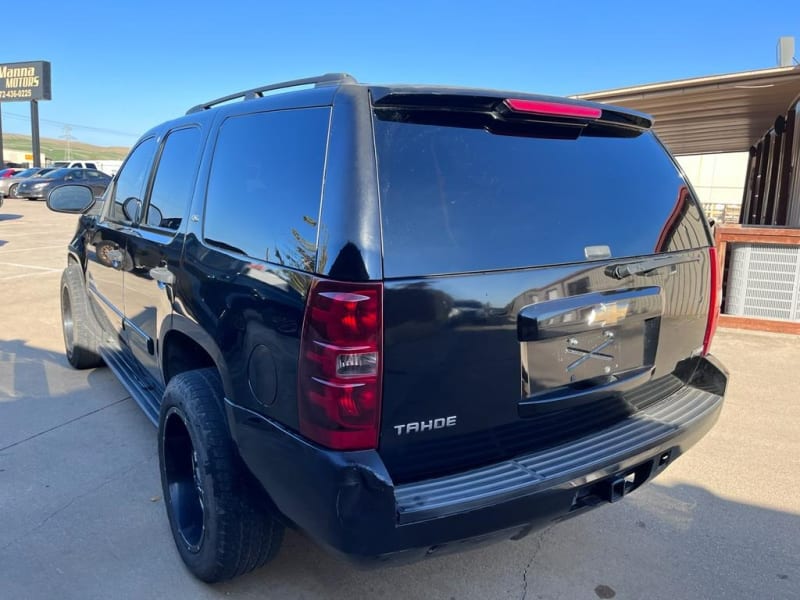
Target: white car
x=74, y=164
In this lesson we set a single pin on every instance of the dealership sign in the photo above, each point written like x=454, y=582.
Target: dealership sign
x=25, y=81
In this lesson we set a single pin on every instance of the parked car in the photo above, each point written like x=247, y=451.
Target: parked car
x=8, y=185
x=39, y=187
x=74, y=164
x=403, y=319
x=8, y=172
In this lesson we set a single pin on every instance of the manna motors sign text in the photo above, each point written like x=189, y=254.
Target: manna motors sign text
x=25, y=81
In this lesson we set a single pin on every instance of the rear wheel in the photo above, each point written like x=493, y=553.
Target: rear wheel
x=77, y=321
x=219, y=518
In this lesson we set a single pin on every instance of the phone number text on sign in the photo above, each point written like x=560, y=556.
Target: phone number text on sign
x=15, y=94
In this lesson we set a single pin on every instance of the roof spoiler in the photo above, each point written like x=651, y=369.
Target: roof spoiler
x=538, y=107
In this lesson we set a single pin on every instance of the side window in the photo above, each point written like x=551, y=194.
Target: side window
x=174, y=182
x=131, y=181
x=265, y=185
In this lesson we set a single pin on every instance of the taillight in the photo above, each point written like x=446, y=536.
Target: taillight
x=555, y=109
x=715, y=299
x=339, y=375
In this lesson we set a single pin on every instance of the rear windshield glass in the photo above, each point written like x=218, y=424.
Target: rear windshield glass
x=457, y=200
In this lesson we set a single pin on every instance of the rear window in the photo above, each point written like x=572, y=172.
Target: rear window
x=457, y=200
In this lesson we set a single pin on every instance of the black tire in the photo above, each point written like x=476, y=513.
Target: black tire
x=12, y=190
x=77, y=321
x=220, y=520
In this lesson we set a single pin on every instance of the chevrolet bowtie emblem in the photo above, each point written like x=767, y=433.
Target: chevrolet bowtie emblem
x=608, y=314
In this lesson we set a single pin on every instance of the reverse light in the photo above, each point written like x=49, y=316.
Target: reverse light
x=555, y=109
x=339, y=375
x=715, y=300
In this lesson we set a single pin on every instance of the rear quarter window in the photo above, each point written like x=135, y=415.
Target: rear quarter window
x=457, y=200
x=265, y=185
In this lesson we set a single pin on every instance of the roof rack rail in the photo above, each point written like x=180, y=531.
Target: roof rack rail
x=326, y=79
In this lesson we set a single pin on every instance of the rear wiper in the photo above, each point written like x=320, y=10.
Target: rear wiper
x=646, y=265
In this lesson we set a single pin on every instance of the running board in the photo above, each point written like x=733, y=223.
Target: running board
x=141, y=386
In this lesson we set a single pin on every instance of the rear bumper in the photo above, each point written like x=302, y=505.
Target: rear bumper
x=347, y=500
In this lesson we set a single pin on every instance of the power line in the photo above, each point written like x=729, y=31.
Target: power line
x=73, y=125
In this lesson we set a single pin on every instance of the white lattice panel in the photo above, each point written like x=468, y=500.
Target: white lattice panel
x=764, y=281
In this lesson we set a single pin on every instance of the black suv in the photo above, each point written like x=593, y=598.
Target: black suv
x=403, y=319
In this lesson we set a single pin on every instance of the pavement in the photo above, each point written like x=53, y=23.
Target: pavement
x=81, y=513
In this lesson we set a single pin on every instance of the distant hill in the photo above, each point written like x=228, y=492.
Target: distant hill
x=57, y=149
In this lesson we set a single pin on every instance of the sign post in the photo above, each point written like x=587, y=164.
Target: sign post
x=2, y=162
x=26, y=82
x=37, y=152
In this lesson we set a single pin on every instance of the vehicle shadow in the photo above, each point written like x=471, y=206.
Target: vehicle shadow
x=10, y=217
x=24, y=369
x=39, y=390
x=33, y=372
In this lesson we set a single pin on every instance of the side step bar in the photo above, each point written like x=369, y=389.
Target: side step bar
x=142, y=389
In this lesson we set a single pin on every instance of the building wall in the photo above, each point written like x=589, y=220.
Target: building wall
x=719, y=182
x=20, y=157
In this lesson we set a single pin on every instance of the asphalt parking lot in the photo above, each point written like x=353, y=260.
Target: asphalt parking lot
x=81, y=514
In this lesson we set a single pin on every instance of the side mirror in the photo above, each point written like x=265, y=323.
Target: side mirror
x=154, y=216
x=74, y=199
x=131, y=208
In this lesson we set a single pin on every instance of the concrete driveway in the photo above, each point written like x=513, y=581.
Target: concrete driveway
x=81, y=514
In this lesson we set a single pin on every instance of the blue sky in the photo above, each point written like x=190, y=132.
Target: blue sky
x=124, y=66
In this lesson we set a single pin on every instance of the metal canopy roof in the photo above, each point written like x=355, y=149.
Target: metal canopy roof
x=721, y=113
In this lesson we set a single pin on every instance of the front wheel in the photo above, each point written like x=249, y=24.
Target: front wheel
x=77, y=321
x=12, y=191
x=220, y=520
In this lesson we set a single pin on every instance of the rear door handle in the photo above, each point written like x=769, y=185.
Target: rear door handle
x=163, y=275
